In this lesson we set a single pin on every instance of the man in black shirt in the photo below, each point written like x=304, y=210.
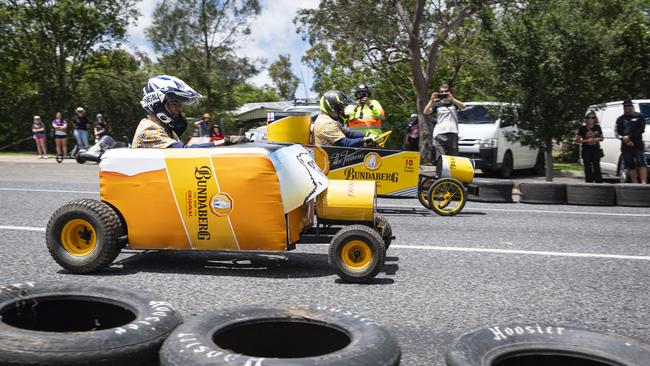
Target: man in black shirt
x=80, y=125
x=100, y=127
x=629, y=129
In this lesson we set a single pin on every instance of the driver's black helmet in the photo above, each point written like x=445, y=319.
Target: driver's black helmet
x=362, y=91
x=333, y=102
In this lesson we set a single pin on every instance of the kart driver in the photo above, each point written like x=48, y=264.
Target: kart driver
x=162, y=100
x=328, y=127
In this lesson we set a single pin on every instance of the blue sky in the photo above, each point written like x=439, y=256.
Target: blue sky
x=272, y=34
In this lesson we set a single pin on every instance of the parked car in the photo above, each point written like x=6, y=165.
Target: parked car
x=482, y=136
x=611, y=162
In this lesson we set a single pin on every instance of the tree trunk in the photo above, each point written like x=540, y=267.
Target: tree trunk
x=426, y=130
x=548, y=158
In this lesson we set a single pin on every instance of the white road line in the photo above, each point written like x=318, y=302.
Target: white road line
x=388, y=206
x=22, y=228
x=45, y=190
x=454, y=249
x=525, y=252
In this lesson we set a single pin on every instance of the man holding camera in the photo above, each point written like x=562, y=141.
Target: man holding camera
x=445, y=133
x=366, y=114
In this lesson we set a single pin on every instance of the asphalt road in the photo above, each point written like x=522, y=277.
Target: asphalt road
x=493, y=263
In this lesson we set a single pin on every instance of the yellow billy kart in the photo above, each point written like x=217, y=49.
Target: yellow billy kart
x=242, y=198
x=396, y=173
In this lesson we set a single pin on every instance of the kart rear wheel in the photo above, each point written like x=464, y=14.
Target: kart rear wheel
x=357, y=253
x=447, y=197
x=423, y=191
x=59, y=158
x=82, y=236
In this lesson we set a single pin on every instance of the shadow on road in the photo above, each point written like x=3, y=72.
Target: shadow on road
x=263, y=265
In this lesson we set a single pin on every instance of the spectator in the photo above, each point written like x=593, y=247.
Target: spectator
x=60, y=134
x=412, y=136
x=366, y=114
x=38, y=129
x=216, y=133
x=445, y=133
x=80, y=128
x=203, y=124
x=590, y=135
x=629, y=129
x=162, y=100
x=100, y=127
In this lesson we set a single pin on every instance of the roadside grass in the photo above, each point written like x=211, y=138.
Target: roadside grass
x=567, y=167
x=24, y=153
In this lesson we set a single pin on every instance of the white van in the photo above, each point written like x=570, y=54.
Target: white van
x=607, y=114
x=482, y=130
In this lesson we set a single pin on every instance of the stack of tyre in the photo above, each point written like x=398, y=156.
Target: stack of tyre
x=60, y=323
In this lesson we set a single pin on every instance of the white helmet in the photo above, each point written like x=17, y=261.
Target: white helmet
x=160, y=89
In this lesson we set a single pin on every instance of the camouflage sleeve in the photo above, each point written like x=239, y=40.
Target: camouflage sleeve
x=152, y=136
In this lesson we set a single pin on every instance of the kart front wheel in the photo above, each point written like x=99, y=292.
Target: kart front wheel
x=82, y=235
x=423, y=190
x=357, y=253
x=447, y=196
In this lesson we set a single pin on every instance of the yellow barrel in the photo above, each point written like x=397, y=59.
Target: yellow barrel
x=348, y=200
x=455, y=167
x=293, y=129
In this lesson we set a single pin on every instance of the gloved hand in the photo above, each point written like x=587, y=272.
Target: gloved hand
x=367, y=141
x=371, y=135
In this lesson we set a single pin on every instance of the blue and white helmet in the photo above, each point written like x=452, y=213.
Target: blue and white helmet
x=160, y=89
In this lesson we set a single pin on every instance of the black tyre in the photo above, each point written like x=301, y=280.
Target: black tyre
x=536, y=345
x=633, y=195
x=543, y=193
x=507, y=166
x=82, y=235
x=383, y=228
x=80, y=159
x=423, y=191
x=59, y=158
x=591, y=194
x=356, y=253
x=540, y=165
x=63, y=323
x=447, y=197
x=280, y=335
x=493, y=190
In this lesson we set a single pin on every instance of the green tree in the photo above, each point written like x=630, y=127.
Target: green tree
x=283, y=78
x=545, y=61
x=367, y=37
x=198, y=38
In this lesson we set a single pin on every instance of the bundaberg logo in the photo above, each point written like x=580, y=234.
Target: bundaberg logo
x=372, y=161
x=221, y=204
x=202, y=176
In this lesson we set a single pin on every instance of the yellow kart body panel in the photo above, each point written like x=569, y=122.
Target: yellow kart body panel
x=212, y=199
x=456, y=167
x=347, y=200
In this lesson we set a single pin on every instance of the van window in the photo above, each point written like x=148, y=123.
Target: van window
x=508, y=117
x=644, y=108
x=475, y=114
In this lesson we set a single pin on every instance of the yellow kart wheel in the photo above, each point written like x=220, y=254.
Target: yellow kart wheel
x=82, y=236
x=447, y=197
x=78, y=237
x=357, y=253
x=423, y=191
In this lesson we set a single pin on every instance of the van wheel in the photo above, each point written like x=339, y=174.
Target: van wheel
x=506, y=167
x=540, y=165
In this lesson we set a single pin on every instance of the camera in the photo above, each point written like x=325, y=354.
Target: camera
x=443, y=95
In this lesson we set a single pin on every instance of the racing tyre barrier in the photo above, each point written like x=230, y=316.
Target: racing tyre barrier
x=537, y=345
x=633, y=195
x=447, y=197
x=591, y=194
x=82, y=236
x=357, y=253
x=280, y=335
x=59, y=323
x=543, y=193
x=498, y=191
